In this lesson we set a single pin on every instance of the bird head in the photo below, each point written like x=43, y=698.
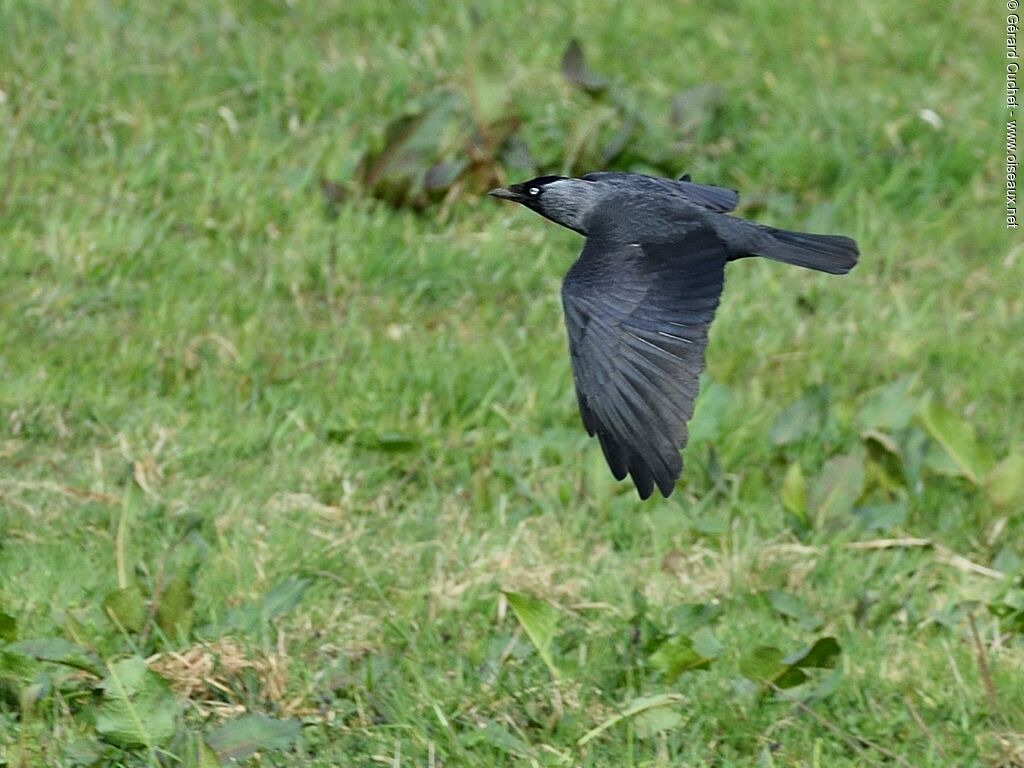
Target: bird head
x=565, y=201
x=529, y=193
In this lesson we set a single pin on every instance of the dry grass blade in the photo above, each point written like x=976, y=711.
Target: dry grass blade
x=923, y=725
x=961, y=563
x=942, y=554
x=983, y=667
x=65, y=490
x=208, y=675
x=899, y=543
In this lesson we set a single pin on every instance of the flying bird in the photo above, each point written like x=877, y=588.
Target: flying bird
x=641, y=296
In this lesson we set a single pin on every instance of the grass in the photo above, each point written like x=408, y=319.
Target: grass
x=206, y=379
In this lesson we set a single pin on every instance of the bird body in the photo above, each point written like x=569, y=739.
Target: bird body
x=640, y=299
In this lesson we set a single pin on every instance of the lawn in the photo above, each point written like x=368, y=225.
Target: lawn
x=293, y=475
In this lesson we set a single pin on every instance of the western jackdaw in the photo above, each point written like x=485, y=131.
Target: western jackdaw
x=640, y=299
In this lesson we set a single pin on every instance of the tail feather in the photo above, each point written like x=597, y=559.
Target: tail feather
x=834, y=254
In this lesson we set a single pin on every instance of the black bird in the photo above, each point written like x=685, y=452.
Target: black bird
x=640, y=299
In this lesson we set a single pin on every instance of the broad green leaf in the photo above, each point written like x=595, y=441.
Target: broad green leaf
x=1007, y=560
x=794, y=491
x=706, y=644
x=804, y=417
x=787, y=604
x=413, y=143
x=632, y=709
x=940, y=462
x=576, y=71
x=280, y=599
x=791, y=677
x=884, y=441
x=914, y=445
x=498, y=736
x=763, y=664
x=126, y=607
x=1004, y=483
x=440, y=177
x=886, y=462
x=655, y=721
x=83, y=751
x=539, y=619
x=838, y=487
x=767, y=665
x=193, y=752
x=60, y=651
x=689, y=617
x=791, y=606
x=205, y=756
x=822, y=655
x=678, y=655
x=8, y=628
x=957, y=438
x=890, y=408
x=829, y=684
x=174, y=614
x=516, y=158
x=710, y=411
x=238, y=739
x=138, y=708
x=284, y=597
x=882, y=516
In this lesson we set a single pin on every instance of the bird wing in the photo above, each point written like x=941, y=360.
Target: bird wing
x=717, y=199
x=708, y=196
x=638, y=317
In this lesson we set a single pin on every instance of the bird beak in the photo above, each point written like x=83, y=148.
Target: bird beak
x=505, y=194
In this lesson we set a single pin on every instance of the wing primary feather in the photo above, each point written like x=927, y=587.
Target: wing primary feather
x=638, y=321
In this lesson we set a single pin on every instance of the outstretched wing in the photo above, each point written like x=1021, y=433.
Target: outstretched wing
x=638, y=317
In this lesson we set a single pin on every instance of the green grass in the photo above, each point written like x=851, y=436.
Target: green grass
x=205, y=377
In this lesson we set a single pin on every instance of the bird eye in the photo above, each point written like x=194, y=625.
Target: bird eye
x=534, y=190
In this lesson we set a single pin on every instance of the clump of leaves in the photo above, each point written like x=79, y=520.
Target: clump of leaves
x=685, y=653
x=125, y=704
x=467, y=138
x=617, y=134
x=452, y=140
x=690, y=645
x=681, y=643
x=907, y=440
x=769, y=666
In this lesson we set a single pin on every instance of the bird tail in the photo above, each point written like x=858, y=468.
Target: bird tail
x=834, y=254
